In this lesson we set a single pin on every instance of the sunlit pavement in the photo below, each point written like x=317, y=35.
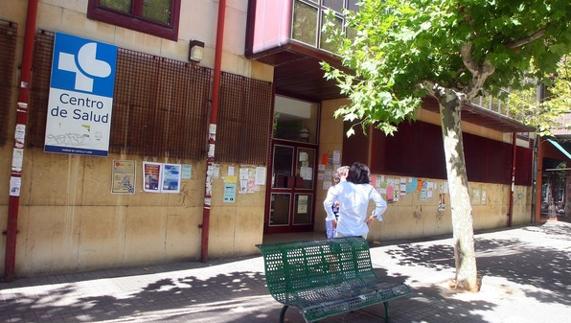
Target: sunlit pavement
x=526, y=274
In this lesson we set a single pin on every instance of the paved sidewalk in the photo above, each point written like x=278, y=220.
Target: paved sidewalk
x=526, y=278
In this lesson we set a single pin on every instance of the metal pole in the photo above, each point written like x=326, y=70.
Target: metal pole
x=19, y=141
x=212, y=131
x=512, y=188
x=539, y=181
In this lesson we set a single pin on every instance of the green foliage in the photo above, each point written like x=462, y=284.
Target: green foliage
x=544, y=115
x=400, y=46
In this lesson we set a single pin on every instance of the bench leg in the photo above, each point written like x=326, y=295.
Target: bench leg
x=386, y=311
x=282, y=313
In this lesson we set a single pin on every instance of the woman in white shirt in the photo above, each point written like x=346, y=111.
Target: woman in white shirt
x=353, y=196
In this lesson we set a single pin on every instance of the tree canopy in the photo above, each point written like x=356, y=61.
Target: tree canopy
x=402, y=47
x=452, y=50
x=544, y=114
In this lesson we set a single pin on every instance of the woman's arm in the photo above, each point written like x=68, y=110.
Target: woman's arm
x=380, y=204
x=329, y=200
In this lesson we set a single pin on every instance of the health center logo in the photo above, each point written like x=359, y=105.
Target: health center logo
x=85, y=65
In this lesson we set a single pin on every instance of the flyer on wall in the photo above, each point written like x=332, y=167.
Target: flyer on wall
x=152, y=177
x=123, y=177
x=171, y=178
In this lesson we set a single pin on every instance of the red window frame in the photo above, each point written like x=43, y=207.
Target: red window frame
x=135, y=19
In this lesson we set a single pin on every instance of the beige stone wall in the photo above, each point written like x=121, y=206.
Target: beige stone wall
x=412, y=217
x=68, y=218
x=197, y=22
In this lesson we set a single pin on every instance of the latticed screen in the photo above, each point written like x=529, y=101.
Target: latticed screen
x=41, y=66
x=8, y=37
x=244, y=120
x=159, y=107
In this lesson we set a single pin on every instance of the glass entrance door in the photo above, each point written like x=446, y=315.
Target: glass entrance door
x=292, y=188
x=291, y=175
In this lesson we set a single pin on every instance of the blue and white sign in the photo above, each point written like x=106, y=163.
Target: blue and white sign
x=81, y=96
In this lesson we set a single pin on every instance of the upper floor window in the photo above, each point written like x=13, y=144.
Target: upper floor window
x=155, y=17
x=309, y=17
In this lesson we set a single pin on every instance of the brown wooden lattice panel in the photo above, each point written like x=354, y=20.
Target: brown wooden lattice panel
x=159, y=106
x=8, y=38
x=244, y=119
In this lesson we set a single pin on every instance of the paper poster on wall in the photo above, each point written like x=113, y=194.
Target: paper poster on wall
x=15, y=185
x=244, y=173
x=441, y=202
x=123, y=177
x=324, y=159
x=336, y=157
x=484, y=198
x=171, y=178
x=186, y=171
x=251, y=180
x=476, y=196
x=423, y=194
x=229, y=193
x=260, y=176
x=390, y=192
x=444, y=187
x=402, y=187
x=373, y=181
x=243, y=186
x=411, y=185
x=216, y=171
x=231, y=179
x=152, y=177
x=230, y=170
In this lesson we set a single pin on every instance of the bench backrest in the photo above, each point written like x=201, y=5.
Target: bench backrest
x=298, y=266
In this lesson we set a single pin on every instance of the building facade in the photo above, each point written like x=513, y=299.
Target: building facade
x=276, y=141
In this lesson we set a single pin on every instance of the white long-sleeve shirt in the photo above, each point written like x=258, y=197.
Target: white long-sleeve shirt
x=353, y=204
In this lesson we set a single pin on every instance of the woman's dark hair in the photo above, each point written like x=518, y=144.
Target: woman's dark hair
x=358, y=173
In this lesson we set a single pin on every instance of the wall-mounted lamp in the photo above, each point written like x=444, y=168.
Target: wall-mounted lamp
x=196, y=51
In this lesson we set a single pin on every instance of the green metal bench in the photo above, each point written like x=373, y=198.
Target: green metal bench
x=326, y=278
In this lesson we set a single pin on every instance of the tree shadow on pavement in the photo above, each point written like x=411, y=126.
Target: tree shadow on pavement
x=546, y=270
x=185, y=297
x=232, y=297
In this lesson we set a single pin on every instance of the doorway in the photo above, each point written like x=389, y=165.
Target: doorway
x=290, y=203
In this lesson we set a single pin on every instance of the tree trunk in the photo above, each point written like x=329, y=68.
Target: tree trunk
x=462, y=227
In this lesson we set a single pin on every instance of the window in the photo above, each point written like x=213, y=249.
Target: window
x=155, y=17
x=309, y=17
x=295, y=120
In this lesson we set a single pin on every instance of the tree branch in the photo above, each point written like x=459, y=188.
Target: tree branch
x=466, y=52
x=524, y=41
x=479, y=72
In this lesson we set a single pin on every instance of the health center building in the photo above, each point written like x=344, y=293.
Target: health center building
x=139, y=132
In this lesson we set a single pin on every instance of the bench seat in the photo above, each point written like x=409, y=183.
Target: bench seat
x=326, y=278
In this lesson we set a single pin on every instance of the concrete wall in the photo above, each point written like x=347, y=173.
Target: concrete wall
x=412, y=217
x=69, y=220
